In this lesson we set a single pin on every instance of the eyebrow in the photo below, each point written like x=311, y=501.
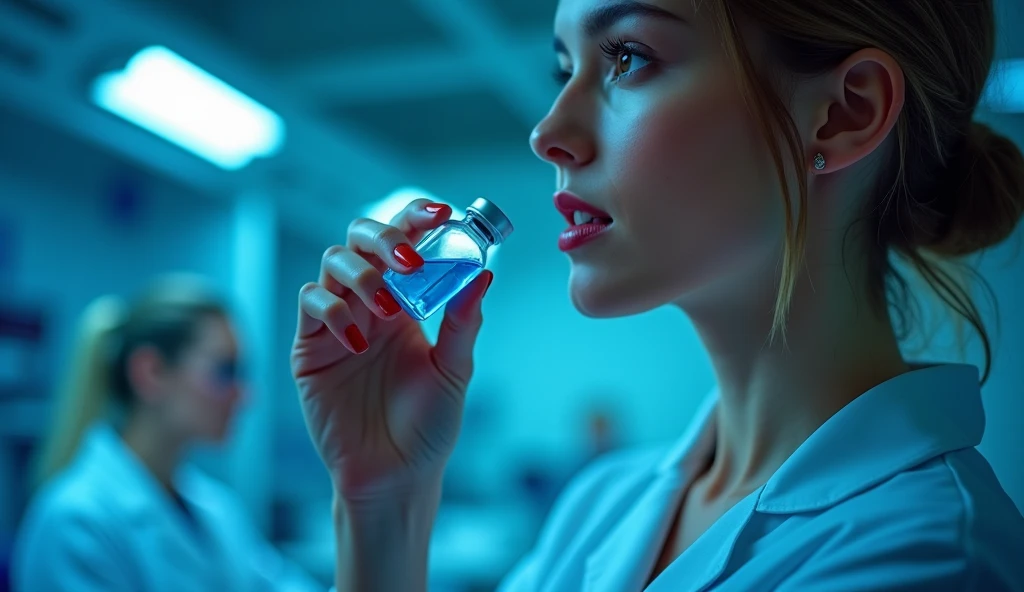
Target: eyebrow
x=602, y=19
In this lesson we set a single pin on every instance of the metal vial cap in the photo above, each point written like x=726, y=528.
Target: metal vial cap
x=492, y=215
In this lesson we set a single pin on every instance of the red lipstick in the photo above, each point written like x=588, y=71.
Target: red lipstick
x=578, y=234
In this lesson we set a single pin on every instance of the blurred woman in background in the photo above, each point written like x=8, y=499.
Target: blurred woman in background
x=119, y=508
x=759, y=165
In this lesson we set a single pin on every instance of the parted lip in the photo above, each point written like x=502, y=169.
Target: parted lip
x=567, y=203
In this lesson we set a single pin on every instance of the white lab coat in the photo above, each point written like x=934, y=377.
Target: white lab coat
x=889, y=494
x=106, y=524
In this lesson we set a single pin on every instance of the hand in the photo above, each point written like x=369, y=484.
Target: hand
x=382, y=406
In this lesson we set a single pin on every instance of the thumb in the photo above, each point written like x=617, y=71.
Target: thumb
x=453, y=353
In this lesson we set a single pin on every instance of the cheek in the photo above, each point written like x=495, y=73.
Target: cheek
x=207, y=400
x=692, y=174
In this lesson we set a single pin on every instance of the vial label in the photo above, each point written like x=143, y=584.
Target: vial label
x=424, y=291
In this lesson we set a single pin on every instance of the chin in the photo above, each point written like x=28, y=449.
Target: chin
x=605, y=298
x=219, y=434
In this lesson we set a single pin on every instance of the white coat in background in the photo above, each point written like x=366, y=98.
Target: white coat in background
x=106, y=524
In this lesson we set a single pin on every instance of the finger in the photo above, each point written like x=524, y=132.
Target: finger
x=352, y=271
x=391, y=245
x=419, y=216
x=318, y=308
x=453, y=353
x=326, y=280
x=376, y=241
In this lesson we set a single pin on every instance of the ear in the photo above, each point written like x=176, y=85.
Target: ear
x=145, y=369
x=861, y=100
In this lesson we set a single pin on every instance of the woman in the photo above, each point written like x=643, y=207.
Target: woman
x=753, y=163
x=120, y=510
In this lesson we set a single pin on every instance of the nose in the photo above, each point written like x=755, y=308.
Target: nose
x=562, y=140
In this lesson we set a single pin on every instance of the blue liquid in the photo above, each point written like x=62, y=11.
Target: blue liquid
x=427, y=289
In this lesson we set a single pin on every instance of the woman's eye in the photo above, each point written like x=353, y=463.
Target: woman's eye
x=561, y=76
x=626, y=60
x=629, y=62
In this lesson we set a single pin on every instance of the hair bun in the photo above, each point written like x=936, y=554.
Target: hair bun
x=980, y=199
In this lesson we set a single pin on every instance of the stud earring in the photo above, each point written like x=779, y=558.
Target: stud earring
x=819, y=161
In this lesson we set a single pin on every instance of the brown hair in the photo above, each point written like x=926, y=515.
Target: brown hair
x=165, y=317
x=950, y=188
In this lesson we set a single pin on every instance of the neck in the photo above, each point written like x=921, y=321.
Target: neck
x=158, y=450
x=772, y=397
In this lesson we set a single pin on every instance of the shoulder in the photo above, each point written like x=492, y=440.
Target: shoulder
x=73, y=537
x=990, y=527
x=586, y=506
x=71, y=497
x=66, y=521
x=956, y=494
x=948, y=519
x=613, y=473
x=598, y=490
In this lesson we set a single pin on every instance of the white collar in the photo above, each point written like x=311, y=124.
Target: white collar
x=901, y=423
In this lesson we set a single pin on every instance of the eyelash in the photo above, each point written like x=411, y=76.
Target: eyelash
x=561, y=76
x=613, y=49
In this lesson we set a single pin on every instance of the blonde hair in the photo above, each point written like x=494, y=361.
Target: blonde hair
x=84, y=396
x=950, y=188
x=109, y=331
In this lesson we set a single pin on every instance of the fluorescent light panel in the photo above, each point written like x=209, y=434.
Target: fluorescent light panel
x=175, y=99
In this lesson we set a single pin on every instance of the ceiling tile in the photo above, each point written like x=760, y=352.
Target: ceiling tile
x=288, y=32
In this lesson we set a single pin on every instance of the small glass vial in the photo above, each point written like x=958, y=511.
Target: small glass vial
x=453, y=254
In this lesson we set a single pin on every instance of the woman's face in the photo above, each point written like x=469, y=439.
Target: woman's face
x=652, y=129
x=205, y=383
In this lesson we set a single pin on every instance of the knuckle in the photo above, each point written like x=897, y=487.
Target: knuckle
x=366, y=278
x=390, y=236
x=337, y=310
x=452, y=324
x=353, y=226
x=331, y=252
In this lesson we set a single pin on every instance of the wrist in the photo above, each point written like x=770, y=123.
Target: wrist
x=421, y=491
x=383, y=543
x=413, y=502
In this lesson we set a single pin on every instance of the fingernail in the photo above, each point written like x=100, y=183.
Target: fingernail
x=490, y=278
x=387, y=303
x=433, y=208
x=356, y=339
x=407, y=256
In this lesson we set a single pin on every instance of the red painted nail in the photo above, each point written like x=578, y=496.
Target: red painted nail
x=407, y=256
x=433, y=208
x=387, y=303
x=490, y=278
x=356, y=339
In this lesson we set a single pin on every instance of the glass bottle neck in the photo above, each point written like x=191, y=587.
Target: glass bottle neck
x=482, y=228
